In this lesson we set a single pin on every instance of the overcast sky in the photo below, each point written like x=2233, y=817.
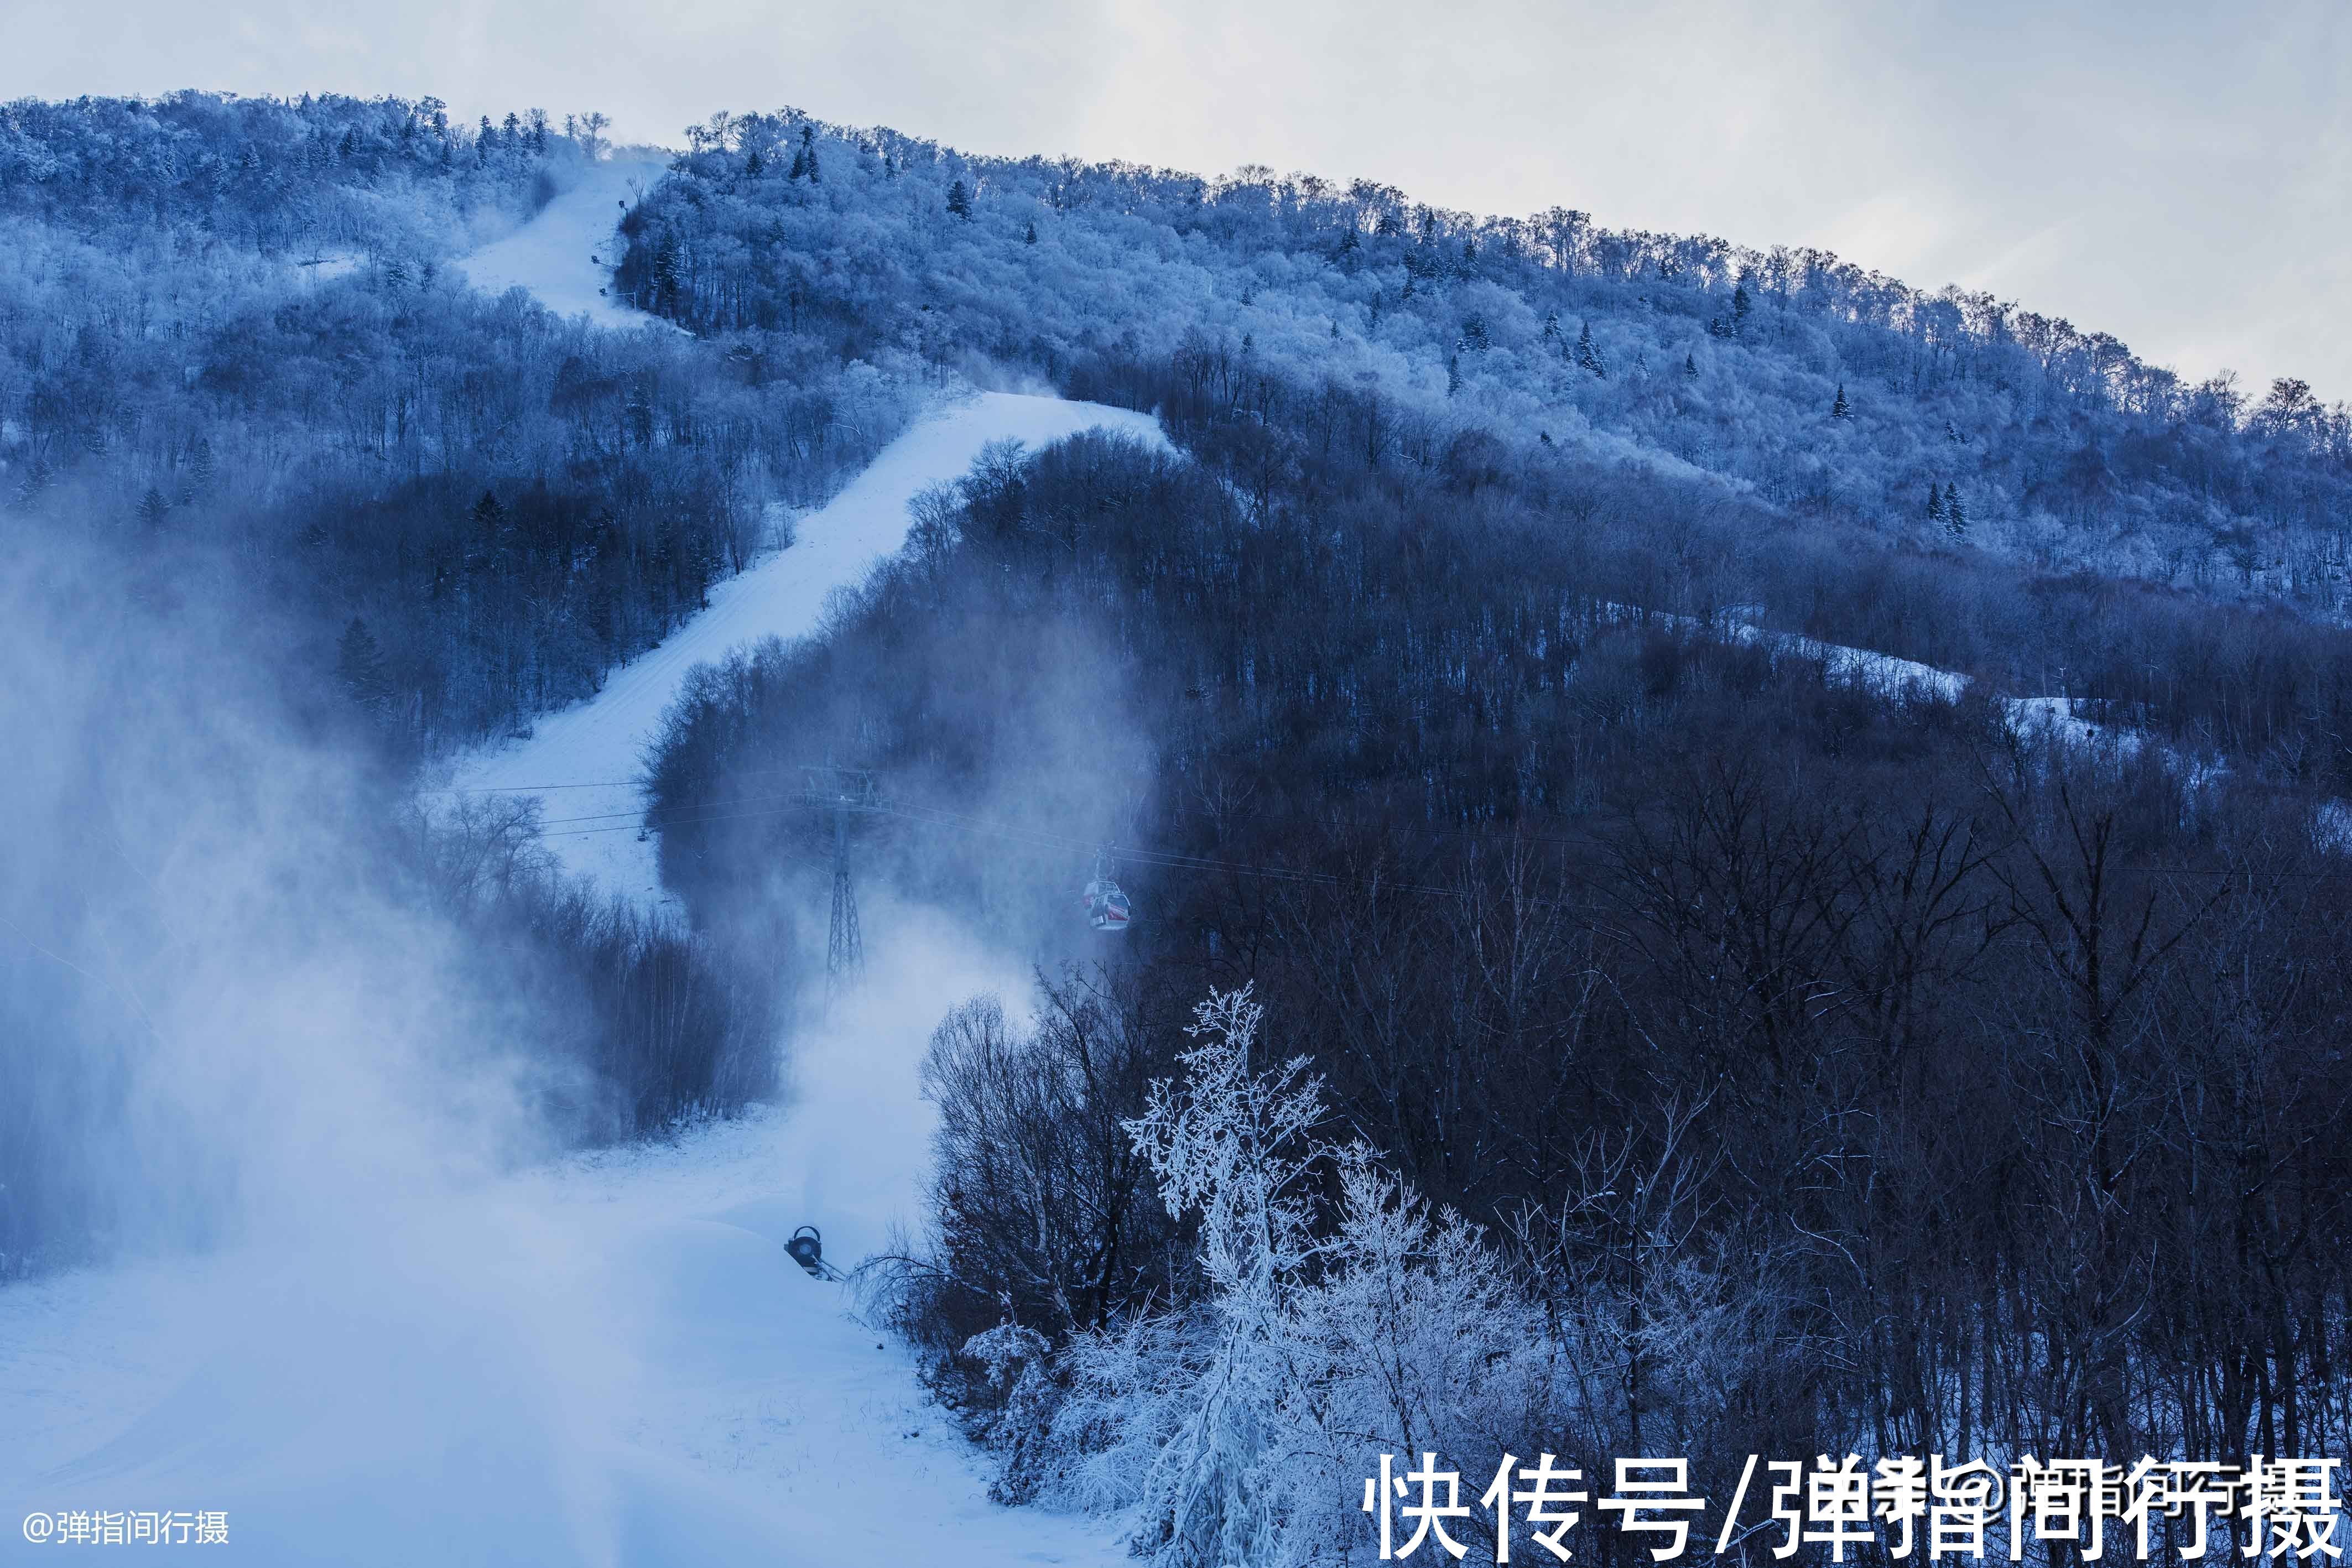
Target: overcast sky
x=2177, y=175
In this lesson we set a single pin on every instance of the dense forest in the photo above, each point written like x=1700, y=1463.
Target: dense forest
x=235, y=323
x=1566, y=1004
x=1830, y=1069
x=1949, y=420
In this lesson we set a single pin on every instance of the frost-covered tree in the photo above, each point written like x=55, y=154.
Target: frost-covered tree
x=1332, y=1331
x=592, y=126
x=1236, y=1148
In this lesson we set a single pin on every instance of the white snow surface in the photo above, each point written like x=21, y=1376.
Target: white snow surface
x=2047, y=718
x=610, y=1360
x=592, y=752
x=556, y=254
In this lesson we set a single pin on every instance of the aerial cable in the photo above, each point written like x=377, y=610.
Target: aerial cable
x=627, y=821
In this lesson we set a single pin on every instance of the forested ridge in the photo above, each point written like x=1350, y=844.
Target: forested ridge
x=1945, y=419
x=1698, y=1050
x=508, y=504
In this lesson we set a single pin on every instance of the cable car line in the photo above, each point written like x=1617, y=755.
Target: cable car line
x=941, y=818
x=624, y=821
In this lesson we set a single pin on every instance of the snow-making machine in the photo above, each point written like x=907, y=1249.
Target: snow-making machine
x=807, y=1250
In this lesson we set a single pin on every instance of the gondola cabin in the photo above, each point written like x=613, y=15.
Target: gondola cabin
x=1106, y=906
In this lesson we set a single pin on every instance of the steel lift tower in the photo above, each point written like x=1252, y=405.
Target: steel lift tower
x=843, y=792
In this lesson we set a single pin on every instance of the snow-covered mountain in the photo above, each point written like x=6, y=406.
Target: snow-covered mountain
x=1720, y=848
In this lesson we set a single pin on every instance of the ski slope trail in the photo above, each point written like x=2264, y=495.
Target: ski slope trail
x=562, y=256
x=609, y=1360
x=585, y=761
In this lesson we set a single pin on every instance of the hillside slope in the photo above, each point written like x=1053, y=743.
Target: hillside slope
x=1829, y=394
x=611, y=1359
x=555, y=256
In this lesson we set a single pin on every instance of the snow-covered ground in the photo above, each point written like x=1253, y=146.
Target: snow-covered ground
x=2051, y=718
x=608, y=1360
x=564, y=255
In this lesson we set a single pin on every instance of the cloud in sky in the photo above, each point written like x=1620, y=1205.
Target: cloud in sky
x=2175, y=173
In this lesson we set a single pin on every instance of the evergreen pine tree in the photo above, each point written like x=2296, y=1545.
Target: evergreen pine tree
x=808, y=152
x=1690, y=365
x=1030, y=237
x=359, y=666
x=1452, y=374
x=1956, y=517
x=960, y=201
x=489, y=520
x=1935, y=502
x=1841, y=409
x=1587, y=355
x=667, y=279
x=152, y=507
x=751, y=163
x=1740, y=306
x=1551, y=327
